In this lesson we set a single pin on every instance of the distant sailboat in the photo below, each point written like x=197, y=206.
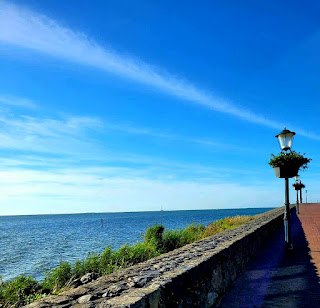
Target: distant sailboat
x=161, y=208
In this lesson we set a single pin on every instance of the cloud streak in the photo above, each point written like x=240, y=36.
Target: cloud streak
x=79, y=171
x=59, y=184
x=47, y=143
x=17, y=101
x=68, y=135
x=57, y=134
x=27, y=29
x=128, y=129
x=79, y=187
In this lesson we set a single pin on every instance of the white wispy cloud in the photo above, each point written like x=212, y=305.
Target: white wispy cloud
x=69, y=139
x=68, y=135
x=59, y=184
x=71, y=190
x=50, y=127
x=41, y=133
x=33, y=182
x=28, y=29
x=129, y=129
x=17, y=101
x=67, y=142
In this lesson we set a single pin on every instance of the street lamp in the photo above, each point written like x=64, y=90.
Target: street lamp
x=297, y=177
x=306, y=196
x=285, y=138
x=302, y=186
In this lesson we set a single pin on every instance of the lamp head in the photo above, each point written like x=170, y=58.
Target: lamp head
x=285, y=138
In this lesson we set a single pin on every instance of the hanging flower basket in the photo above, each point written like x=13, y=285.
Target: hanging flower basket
x=286, y=172
x=298, y=186
x=287, y=165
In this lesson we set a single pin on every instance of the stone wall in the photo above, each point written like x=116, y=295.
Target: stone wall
x=195, y=275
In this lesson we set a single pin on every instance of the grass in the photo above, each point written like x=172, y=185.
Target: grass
x=19, y=291
x=157, y=240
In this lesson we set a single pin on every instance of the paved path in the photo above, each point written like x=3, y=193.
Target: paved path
x=310, y=220
x=276, y=278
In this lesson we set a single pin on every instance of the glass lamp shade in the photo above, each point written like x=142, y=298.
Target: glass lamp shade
x=297, y=177
x=285, y=139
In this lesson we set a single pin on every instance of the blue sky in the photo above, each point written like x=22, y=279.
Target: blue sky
x=133, y=105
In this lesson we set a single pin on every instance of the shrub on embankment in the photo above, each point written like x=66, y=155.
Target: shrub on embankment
x=19, y=291
x=23, y=290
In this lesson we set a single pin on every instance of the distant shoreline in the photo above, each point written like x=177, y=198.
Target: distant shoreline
x=85, y=213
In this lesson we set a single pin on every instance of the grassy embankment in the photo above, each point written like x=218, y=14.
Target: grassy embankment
x=23, y=290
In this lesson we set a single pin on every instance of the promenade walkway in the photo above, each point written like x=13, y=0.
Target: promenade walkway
x=310, y=220
x=277, y=278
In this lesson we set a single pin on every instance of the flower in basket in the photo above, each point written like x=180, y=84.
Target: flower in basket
x=290, y=159
x=298, y=185
x=287, y=165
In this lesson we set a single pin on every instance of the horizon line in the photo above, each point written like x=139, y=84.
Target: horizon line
x=84, y=213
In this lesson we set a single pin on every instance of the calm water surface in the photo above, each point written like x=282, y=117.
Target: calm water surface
x=31, y=245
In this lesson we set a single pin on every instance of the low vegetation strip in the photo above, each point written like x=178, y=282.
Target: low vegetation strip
x=157, y=240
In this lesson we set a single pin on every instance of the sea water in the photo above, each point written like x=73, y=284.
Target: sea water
x=32, y=245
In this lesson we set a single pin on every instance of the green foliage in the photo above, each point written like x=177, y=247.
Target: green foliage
x=128, y=255
x=226, y=223
x=289, y=159
x=173, y=239
x=107, y=261
x=153, y=236
x=298, y=186
x=19, y=291
x=157, y=240
x=192, y=233
x=87, y=265
x=90, y=264
x=57, y=278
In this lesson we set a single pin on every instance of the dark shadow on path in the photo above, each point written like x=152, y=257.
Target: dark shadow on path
x=277, y=278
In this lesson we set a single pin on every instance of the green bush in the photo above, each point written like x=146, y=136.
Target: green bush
x=57, y=278
x=19, y=291
x=128, y=255
x=192, y=233
x=171, y=240
x=92, y=263
x=225, y=223
x=107, y=262
x=290, y=159
x=87, y=265
x=153, y=236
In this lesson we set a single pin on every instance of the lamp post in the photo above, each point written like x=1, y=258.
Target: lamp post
x=297, y=177
x=285, y=138
x=306, y=196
